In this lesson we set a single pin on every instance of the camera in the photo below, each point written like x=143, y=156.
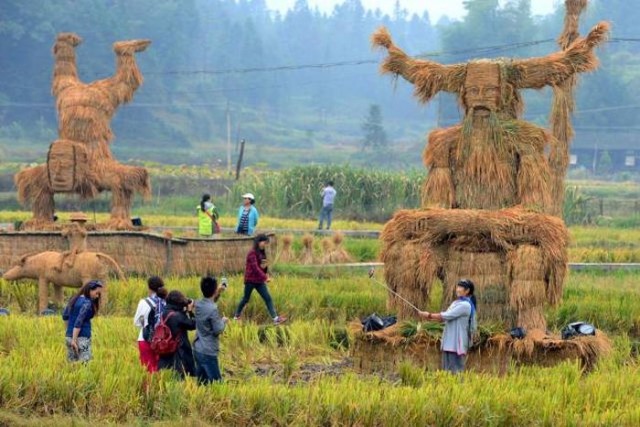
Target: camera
x=223, y=282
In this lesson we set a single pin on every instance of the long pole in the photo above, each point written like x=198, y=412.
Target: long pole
x=228, y=140
x=372, y=272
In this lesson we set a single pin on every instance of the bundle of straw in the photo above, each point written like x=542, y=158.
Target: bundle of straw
x=307, y=257
x=339, y=254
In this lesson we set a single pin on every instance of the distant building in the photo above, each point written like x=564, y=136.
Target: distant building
x=610, y=151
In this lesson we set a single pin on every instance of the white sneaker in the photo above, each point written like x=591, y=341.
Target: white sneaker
x=279, y=319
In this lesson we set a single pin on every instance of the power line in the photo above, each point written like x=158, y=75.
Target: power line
x=477, y=50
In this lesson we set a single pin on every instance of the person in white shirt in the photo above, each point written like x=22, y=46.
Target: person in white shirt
x=154, y=301
x=328, y=195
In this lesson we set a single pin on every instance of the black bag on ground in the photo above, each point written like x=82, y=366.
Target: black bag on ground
x=577, y=329
x=376, y=323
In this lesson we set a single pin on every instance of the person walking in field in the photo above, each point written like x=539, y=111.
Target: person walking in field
x=459, y=324
x=145, y=313
x=256, y=277
x=328, y=195
x=207, y=217
x=77, y=320
x=209, y=327
x=247, y=215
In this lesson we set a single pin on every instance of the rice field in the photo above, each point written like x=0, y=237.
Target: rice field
x=301, y=373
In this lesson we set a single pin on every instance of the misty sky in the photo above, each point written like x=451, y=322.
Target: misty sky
x=436, y=8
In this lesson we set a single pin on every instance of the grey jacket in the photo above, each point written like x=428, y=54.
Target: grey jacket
x=209, y=326
x=455, y=337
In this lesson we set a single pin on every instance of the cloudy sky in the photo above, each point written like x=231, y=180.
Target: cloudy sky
x=436, y=8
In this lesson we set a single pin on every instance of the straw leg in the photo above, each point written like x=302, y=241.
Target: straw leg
x=33, y=189
x=58, y=295
x=43, y=294
x=528, y=287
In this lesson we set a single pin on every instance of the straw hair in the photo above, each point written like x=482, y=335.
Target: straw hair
x=80, y=161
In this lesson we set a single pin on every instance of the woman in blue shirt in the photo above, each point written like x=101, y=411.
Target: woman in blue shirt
x=77, y=319
x=247, y=215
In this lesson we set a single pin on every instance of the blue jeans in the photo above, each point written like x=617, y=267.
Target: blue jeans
x=264, y=293
x=207, y=369
x=325, y=213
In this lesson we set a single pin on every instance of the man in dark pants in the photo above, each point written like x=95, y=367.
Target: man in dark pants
x=209, y=326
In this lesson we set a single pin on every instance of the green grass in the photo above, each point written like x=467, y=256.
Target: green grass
x=297, y=363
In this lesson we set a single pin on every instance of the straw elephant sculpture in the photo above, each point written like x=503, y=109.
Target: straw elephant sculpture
x=494, y=190
x=45, y=268
x=80, y=161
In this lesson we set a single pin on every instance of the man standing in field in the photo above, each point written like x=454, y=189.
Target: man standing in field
x=328, y=195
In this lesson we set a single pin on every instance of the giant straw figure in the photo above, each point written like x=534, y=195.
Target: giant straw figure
x=494, y=190
x=80, y=161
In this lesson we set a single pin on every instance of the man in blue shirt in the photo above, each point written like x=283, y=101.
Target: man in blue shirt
x=328, y=195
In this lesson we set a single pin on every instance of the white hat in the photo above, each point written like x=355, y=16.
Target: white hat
x=248, y=196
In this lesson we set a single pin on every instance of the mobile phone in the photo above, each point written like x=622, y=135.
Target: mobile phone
x=223, y=282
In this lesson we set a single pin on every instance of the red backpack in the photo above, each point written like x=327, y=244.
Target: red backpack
x=163, y=342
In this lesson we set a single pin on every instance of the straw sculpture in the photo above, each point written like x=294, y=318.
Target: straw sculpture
x=494, y=190
x=77, y=237
x=307, y=250
x=80, y=161
x=339, y=254
x=43, y=268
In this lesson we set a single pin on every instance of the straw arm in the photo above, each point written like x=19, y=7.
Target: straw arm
x=551, y=70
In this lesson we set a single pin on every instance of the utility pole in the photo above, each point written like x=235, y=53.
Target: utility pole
x=228, y=140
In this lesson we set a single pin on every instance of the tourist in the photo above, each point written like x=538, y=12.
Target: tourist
x=256, y=277
x=150, y=305
x=247, y=215
x=209, y=326
x=328, y=195
x=178, y=315
x=459, y=324
x=207, y=217
x=77, y=319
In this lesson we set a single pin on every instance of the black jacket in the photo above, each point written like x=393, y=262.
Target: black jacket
x=182, y=360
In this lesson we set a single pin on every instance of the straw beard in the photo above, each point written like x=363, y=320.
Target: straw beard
x=484, y=164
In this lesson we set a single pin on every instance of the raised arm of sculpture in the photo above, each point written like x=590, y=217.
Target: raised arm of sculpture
x=552, y=70
x=127, y=77
x=428, y=77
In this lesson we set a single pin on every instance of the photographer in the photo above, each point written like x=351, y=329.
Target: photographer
x=178, y=315
x=209, y=326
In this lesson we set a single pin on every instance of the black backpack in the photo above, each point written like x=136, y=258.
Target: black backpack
x=147, y=330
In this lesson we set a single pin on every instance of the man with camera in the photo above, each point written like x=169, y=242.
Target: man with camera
x=209, y=326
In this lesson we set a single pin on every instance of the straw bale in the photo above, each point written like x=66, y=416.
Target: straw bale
x=339, y=254
x=307, y=250
x=327, y=251
x=286, y=253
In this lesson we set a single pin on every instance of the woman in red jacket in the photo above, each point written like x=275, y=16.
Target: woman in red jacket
x=256, y=277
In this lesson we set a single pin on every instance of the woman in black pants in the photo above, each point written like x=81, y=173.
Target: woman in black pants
x=256, y=277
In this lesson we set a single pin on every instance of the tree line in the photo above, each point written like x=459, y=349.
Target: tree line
x=286, y=78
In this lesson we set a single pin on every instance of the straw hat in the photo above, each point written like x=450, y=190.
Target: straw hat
x=78, y=216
